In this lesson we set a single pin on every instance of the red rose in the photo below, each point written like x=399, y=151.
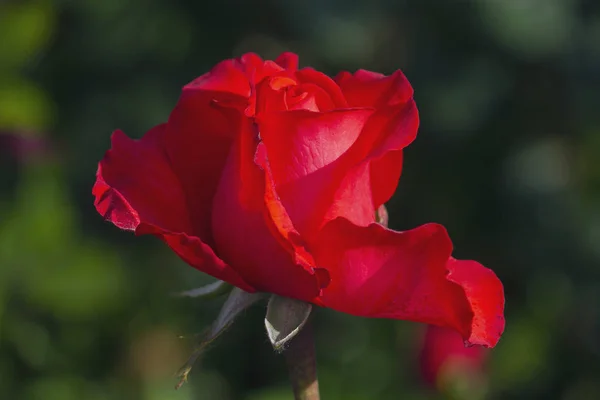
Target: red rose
x=267, y=176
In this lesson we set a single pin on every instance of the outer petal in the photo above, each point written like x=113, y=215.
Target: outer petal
x=377, y=164
x=199, y=136
x=245, y=233
x=377, y=272
x=392, y=128
x=384, y=174
x=288, y=60
x=374, y=162
x=371, y=89
x=282, y=225
x=136, y=189
x=485, y=294
x=308, y=155
x=370, y=169
x=203, y=127
x=228, y=77
x=385, y=158
x=200, y=132
x=131, y=170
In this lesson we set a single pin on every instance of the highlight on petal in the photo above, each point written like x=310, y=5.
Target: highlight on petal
x=374, y=164
x=485, y=294
x=300, y=143
x=377, y=272
x=353, y=198
x=308, y=156
x=136, y=189
x=393, y=126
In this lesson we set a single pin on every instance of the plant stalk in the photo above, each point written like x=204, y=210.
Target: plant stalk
x=301, y=359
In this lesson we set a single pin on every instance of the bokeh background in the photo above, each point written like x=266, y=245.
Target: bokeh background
x=506, y=158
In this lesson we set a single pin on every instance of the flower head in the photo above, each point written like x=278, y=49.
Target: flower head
x=268, y=176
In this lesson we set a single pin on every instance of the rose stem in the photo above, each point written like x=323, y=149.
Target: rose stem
x=301, y=360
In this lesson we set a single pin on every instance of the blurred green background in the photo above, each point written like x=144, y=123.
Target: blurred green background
x=507, y=159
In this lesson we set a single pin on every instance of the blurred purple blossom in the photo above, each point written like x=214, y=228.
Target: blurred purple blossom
x=23, y=147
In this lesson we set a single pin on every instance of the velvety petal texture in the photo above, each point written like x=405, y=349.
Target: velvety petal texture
x=377, y=272
x=308, y=153
x=245, y=234
x=136, y=189
x=269, y=176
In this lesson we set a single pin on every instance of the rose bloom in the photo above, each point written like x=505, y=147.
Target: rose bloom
x=267, y=177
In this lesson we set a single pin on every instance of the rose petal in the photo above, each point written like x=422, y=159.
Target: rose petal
x=384, y=176
x=235, y=76
x=200, y=134
x=203, y=126
x=389, y=130
x=308, y=160
x=385, y=157
x=369, y=173
x=288, y=60
x=377, y=272
x=285, y=231
x=130, y=171
x=310, y=76
x=485, y=294
x=228, y=76
x=272, y=94
x=371, y=89
x=312, y=98
x=397, y=120
x=256, y=68
x=136, y=189
x=301, y=143
x=353, y=198
x=244, y=232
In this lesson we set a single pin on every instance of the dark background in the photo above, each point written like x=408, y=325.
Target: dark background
x=506, y=159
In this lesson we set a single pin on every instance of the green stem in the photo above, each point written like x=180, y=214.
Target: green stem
x=301, y=360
